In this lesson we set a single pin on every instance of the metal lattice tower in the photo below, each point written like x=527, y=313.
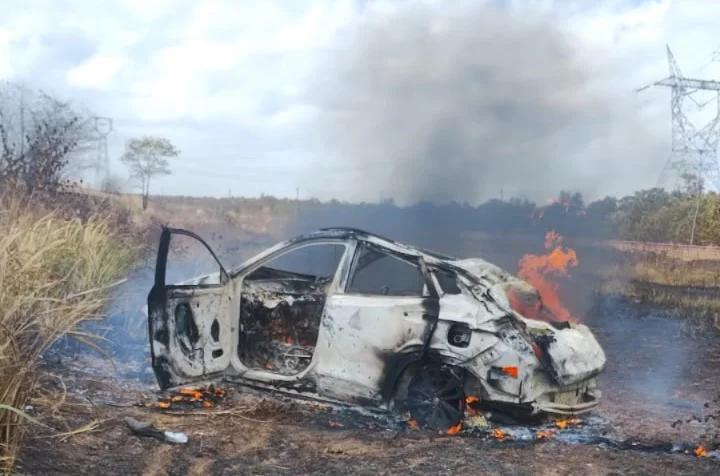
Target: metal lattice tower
x=103, y=128
x=694, y=152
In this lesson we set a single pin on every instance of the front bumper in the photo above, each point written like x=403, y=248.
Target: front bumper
x=569, y=402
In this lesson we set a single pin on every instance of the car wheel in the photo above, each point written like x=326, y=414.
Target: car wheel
x=436, y=397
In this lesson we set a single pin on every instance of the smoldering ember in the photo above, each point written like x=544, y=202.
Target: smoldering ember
x=370, y=237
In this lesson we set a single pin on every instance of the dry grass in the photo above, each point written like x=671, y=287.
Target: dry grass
x=685, y=253
x=251, y=216
x=672, y=272
x=662, y=270
x=55, y=273
x=689, y=290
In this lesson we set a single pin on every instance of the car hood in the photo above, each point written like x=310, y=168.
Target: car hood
x=573, y=352
x=495, y=280
x=487, y=273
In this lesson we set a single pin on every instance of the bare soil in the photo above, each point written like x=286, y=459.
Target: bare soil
x=655, y=377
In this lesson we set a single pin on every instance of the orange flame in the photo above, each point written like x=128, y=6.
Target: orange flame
x=192, y=393
x=412, y=424
x=536, y=270
x=500, y=435
x=562, y=424
x=454, y=430
x=206, y=397
x=701, y=452
x=545, y=434
x=470, y=401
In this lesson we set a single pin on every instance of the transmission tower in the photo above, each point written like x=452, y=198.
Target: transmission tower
x=694, y=152
x=103, y=128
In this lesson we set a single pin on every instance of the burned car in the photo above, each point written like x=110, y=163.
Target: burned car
x=375, y=322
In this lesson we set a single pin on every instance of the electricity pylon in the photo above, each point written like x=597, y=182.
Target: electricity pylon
x=694, y=152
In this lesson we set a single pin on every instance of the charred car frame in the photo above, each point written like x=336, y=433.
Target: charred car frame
x=385, y=325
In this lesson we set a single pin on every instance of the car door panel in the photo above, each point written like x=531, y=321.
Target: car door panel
x=189, y=324
x=362, y=335
x=366, y=332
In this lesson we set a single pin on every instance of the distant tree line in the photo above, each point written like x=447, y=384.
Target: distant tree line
x=653, y=215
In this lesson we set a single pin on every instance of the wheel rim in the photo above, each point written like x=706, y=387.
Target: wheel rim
x=436, y=398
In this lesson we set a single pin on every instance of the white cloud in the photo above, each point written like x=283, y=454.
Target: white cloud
x=227, y=78
x=6, y=37
x=97, y=72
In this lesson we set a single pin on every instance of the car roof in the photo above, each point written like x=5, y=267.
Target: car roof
x=366, y=236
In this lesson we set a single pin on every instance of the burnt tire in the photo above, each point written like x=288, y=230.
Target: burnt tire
x=436, y=397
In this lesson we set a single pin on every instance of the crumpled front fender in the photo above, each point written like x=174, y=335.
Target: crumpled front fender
x=574, y=355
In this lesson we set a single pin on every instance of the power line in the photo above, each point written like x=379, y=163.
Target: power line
x=102, y=127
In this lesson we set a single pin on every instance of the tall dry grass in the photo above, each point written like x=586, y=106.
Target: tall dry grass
x=55, y=272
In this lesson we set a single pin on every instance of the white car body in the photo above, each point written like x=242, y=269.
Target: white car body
x=367, y=345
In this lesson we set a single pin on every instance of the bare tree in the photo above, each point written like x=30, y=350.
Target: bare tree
x=41, y=138
x=147, y=157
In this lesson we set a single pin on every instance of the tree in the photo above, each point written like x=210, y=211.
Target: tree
x=147, y=157
x=42, y=139
x=692, y=184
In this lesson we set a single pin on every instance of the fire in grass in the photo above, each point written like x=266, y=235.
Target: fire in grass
x=189, y=398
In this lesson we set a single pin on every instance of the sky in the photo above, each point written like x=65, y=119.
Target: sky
x=364, y=100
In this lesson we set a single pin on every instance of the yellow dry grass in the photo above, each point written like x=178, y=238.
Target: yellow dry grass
x=54, y=274
x=671, y=251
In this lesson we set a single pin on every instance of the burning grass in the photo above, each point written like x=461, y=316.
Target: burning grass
x=187, y=398
x=55, y=273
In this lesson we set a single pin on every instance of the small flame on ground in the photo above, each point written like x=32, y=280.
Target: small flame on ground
x=454, y=430
x=498, y=434
x=701, y=452
x=412, y=423
x=541, y=435
x=562, y=424
x=194, y=395
x=537, y=270
x=205, y=397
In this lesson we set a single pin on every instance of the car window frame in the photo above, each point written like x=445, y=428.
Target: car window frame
x=263, y=260
x=415, y=261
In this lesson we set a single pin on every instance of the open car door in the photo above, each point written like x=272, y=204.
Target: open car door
x=190, y=322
